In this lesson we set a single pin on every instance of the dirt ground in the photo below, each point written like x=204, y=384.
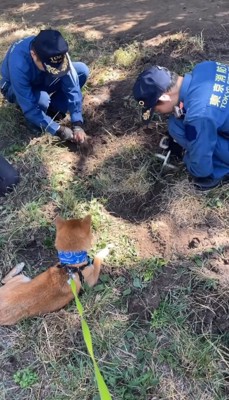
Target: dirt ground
x=122, y=18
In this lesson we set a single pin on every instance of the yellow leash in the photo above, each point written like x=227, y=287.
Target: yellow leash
x=103, y=389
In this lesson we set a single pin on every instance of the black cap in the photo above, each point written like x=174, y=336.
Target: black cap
x=52, y=48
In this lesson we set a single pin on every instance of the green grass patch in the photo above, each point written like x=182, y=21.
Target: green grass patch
x=127, y=56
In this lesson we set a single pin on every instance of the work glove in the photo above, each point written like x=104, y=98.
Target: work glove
x=65, y=133
x=79, y=135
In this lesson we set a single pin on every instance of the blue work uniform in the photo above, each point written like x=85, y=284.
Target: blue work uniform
x=34, y=90
x=204, y=130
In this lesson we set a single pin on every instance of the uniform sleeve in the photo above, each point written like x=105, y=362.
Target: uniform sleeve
x=28, y=102
x=71, y=87
x=201, y=136
x=176, y=129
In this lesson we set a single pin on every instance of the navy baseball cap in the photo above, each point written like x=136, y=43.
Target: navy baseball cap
x=149, y=87
x=52, y=49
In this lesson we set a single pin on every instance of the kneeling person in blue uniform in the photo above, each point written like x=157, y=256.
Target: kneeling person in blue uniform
x=198, y=104
x=39, y=76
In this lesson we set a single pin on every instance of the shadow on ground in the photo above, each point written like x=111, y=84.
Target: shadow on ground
x=145, y=18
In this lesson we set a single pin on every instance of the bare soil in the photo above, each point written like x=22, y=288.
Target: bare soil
x=124, y=18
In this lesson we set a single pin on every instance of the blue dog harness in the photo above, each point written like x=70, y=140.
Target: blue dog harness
x=72, y=257
x=68, y=258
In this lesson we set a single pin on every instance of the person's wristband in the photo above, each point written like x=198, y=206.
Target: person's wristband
x=77, y=129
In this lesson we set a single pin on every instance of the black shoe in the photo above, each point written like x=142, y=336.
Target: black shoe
x=204, y=184
x=225, y=179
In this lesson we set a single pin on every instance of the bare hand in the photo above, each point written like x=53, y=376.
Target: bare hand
x=79, y=135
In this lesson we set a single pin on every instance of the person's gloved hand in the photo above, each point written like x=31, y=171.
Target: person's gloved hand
x=79, y=135
x=65, y=133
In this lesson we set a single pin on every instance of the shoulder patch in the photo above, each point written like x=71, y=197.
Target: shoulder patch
x=190, y=132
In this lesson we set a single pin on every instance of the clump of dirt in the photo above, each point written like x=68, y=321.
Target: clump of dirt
x=170, y=239
x=142, y=238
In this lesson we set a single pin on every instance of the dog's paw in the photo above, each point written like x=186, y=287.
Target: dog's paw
x=15, y=271
x=105, y=252
x=19, y=267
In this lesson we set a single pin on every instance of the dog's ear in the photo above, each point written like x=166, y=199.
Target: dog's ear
x=58, y=221
x=86, y=222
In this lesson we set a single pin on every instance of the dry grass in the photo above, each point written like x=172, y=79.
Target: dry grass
x=12, y=31
x=125, y=173
x=184, y=205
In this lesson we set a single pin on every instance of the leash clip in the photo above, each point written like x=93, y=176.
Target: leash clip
x=70, y=276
